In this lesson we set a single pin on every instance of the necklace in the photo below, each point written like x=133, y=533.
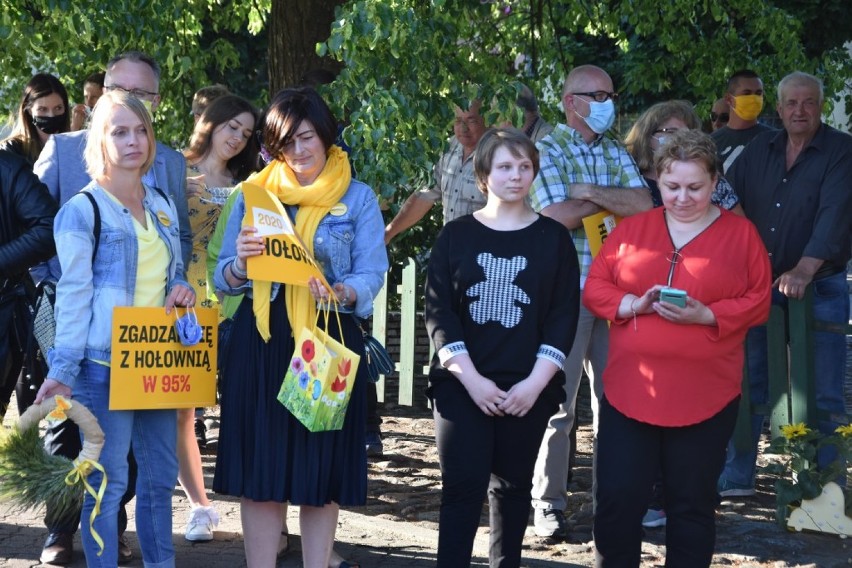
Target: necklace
x=675, y=257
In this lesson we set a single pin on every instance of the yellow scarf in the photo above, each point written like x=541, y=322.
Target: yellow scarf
x=314, y=202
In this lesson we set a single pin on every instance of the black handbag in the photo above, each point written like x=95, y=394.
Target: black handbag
x=377, y=358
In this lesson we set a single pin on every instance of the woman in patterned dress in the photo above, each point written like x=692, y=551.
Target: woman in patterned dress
x=221, y=153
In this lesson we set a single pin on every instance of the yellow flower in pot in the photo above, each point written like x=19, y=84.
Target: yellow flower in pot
x=803, y=484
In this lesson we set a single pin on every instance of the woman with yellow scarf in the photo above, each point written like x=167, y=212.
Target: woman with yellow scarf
x=266, y=456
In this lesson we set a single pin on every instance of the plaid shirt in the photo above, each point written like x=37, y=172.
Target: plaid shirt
x=455, y=184
x=567, y=159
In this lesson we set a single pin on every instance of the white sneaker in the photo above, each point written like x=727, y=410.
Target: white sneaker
x=202, y=521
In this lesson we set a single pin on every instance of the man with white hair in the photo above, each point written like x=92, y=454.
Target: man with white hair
x=794, y=185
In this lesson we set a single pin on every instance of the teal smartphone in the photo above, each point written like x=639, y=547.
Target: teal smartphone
x=673, y=296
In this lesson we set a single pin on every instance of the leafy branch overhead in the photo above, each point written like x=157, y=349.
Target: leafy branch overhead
x=405, y=62
x=191, y=39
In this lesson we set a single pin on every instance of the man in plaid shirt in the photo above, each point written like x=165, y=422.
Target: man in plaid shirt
x=455, y=185
x=582, y=173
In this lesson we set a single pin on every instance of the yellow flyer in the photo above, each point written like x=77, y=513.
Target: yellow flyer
x=150, y=368
x=285, y=257
x=598, y=227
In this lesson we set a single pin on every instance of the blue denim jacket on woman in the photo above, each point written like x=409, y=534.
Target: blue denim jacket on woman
x=86, y=293
x=349, y=247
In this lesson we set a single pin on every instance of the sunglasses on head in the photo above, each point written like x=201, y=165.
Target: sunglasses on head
x=722, y=117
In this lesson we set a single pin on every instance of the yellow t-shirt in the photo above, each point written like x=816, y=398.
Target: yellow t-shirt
x=153, y=266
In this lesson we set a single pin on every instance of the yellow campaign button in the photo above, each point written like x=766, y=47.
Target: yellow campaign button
x=339, y=209
x=164, y=218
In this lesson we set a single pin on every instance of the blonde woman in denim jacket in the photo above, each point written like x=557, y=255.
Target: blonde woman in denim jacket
x=137, y=263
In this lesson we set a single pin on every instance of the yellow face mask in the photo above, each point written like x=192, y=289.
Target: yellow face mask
x=747, y=107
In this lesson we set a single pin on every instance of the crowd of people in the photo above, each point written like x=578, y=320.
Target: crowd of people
x=521, y=302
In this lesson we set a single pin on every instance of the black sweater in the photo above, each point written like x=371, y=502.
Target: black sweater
x=504, y=296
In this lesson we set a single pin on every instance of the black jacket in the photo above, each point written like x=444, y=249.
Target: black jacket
x=26, y=219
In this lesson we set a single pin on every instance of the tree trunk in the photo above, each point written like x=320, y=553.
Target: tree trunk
x=295, y=27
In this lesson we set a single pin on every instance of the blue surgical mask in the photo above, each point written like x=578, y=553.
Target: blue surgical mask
x=601, y=116
x=188, y=330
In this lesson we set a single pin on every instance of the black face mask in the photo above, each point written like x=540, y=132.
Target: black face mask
x=50, y=124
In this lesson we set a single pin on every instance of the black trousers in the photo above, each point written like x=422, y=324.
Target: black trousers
x=374, y=420
x=15, y=358
x=484, y=456
x=630, y=455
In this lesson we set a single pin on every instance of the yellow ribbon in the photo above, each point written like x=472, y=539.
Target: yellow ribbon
x=78, y=474
x=57, y=415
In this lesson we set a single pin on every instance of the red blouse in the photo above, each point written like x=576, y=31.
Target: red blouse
x=671, y=374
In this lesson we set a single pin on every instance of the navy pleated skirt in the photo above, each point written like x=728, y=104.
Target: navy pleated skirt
x=265, y=454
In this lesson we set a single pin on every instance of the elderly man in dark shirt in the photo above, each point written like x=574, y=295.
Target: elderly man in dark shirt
x=796, y=187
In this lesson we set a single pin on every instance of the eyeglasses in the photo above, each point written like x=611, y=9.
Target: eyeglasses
x=721, y=117
x=138, y=93
x=666, y=130
x=599, y=96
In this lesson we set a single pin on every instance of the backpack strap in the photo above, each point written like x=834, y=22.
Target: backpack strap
x=97, y=229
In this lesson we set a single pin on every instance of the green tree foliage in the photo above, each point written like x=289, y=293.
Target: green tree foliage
x=72, y=38
x=407, y=61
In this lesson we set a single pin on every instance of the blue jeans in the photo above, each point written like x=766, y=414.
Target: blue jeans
x=154, y=437
x=830, y=303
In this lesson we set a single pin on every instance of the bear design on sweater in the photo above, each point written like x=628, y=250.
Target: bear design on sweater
x=498, y=296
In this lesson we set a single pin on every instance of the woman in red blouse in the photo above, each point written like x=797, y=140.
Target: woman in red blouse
x=673, y=376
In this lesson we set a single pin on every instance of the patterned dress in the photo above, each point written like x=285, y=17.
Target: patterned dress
x=204, y=213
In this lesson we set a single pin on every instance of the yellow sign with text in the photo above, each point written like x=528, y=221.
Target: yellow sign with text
x=151, y=369
x=285, y=257
x=598, y=227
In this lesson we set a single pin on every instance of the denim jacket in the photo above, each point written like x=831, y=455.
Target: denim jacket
x=350, y=248
x=86, y=293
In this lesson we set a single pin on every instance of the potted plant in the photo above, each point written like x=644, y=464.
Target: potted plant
x=807, y=495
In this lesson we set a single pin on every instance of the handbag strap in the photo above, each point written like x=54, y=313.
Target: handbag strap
x=326, y=308
x=97, y=228
x=359, y=323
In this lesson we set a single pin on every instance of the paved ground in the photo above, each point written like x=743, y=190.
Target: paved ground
x=369, y=540
x=747, y=537
x=405, y=535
